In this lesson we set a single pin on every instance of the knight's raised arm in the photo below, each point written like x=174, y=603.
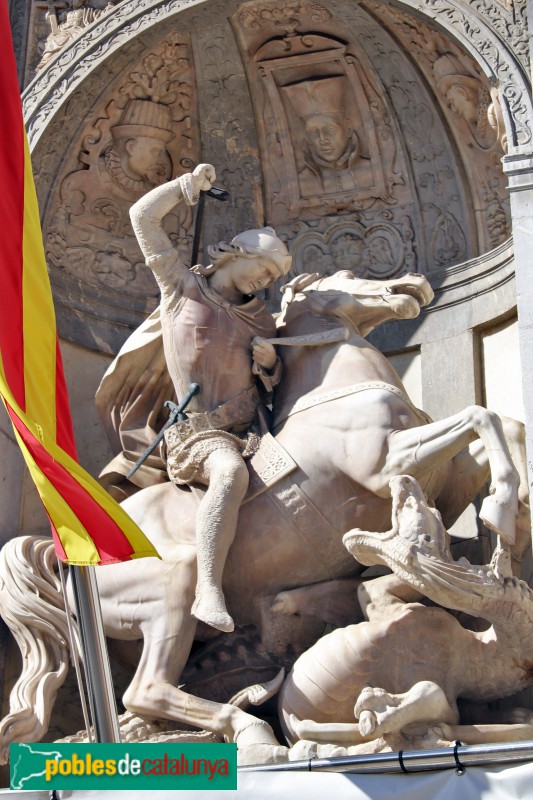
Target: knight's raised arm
x=148, y=213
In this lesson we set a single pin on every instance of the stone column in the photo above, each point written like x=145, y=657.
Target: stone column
x=451, y=381
x=519, y=169
x=450, y=373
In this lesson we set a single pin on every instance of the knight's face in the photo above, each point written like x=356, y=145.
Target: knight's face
x=251, y=275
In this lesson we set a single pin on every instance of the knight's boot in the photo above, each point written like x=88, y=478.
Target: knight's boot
x=210, y=607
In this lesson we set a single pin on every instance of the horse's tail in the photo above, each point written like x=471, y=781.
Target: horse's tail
x=31, y=604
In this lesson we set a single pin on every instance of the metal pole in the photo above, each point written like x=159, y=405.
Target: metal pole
x=459, y=757
x=75, y=655
x=95, y=656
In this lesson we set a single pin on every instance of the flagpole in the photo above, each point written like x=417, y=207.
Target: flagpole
x=95, y=656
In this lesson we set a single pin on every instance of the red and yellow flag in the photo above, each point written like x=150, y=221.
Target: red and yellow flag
x=88, y=526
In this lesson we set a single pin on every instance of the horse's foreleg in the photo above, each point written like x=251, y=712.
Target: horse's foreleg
x=515, y=436
x=471, y=471
x=154, y=693
x=419, y=451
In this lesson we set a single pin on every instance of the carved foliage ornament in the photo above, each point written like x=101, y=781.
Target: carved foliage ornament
x=283, y=16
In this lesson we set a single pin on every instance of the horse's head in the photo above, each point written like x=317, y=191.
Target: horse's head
x=366, y=302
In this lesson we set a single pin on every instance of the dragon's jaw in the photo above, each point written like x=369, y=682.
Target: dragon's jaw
x=417, y=550
x=416, y=529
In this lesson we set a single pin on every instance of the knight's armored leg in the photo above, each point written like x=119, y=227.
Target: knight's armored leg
x=216, y=522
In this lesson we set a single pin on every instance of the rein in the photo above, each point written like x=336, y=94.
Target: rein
x=324, y=337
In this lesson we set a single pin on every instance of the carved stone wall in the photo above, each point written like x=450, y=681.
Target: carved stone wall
x=229, y=139
x=369, y=138
x=19, y=17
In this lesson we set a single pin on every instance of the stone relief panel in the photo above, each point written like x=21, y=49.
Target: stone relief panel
x=515, y=96
x=326, y=138
x=444, y=223
x=130, y=18
x=144, y=134
x=337, y=106
x=65, y=20
x=471, y=107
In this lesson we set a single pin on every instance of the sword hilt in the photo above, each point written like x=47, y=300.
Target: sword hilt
x=177, y=414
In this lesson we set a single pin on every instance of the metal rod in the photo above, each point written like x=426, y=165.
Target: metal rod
x=95, y=656
x=413, y=760
x=198, y=229
x=218, y=194
x=75, y=654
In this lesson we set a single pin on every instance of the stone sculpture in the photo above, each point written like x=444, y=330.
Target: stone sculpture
x=290, y=527
x=410, y=697
x=93, y=231
x=470, y=102
x=211, y=321
x=134, y=161
x=73, y=17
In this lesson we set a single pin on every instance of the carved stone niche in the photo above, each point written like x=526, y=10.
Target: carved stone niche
x=326, y=139
x=376, y=139
x=142, y=134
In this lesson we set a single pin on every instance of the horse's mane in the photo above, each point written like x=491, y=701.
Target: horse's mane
x=302, y=296
x=296, y=286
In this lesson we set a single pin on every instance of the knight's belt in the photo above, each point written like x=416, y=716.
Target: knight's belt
x=236, y=414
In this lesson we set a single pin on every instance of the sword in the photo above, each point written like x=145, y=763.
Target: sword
x=176, y=415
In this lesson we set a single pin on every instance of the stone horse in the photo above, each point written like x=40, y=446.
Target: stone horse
x=343, y=415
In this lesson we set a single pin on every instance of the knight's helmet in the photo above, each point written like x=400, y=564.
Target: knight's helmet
x=264, y=242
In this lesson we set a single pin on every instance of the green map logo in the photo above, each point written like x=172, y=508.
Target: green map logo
x=123, y=766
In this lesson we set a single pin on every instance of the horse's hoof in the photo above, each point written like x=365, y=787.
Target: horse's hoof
x=500, y=518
